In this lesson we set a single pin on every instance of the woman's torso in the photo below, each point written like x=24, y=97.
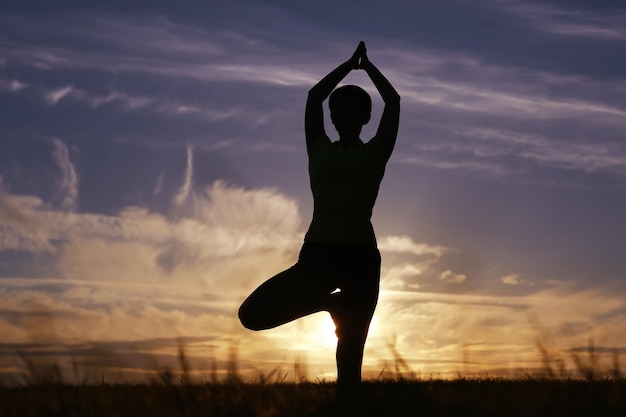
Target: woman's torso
x=345, y=183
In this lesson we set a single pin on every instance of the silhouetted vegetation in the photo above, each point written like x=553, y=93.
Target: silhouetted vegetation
x=459, y=397
x=592, y=391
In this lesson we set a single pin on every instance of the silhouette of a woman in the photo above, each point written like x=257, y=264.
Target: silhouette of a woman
x=338, y=269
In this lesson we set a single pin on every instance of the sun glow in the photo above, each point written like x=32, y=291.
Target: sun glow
x=326, y=331
x=325, y=334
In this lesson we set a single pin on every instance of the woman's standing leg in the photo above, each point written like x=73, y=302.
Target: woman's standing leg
x=352, y=310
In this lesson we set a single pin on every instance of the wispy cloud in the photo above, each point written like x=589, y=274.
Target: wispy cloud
x=68, y=182
x=159, y=184
x=21, y=228
x=164, y=106
x=10, y=212
x=450, y=277
x=172, y=50
x=402, y=276
x=489, y=169
x=12, y=85
x=185, y=189
x=486, y=88
x=568, y=20
x=130, y=102
x=55, y=96
x=404, y=244
x=437, y=87
x=511, y=279
x=610, y=157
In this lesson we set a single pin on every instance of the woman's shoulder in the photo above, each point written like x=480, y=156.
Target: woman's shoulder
x=319, y=144
x=376, y=149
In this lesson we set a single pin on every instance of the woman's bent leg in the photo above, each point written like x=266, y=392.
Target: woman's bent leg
x=291, y=294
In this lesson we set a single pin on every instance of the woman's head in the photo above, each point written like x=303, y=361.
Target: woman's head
x=350, y=109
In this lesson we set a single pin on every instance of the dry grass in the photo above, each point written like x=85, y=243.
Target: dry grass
x=592, y=389
x=460, y=397
x=397, y=392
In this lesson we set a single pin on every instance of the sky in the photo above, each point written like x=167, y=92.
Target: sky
x=153, y=172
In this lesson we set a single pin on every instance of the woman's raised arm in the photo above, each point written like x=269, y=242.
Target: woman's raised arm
x=390, y=120
x=314, y=113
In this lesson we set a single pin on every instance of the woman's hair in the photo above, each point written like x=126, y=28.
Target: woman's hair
x=354, y=95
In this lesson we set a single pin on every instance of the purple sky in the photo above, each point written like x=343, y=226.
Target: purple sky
x=153, y=172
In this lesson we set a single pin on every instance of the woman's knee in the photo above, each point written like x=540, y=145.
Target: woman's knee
x=352, y=326
x=248, y=318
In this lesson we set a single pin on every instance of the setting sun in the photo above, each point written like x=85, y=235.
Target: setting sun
x=326, y=330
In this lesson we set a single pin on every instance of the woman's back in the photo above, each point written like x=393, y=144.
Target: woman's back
x=344, y=182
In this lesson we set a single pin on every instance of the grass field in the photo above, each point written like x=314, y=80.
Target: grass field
x=459, y=397
x=590, y=390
